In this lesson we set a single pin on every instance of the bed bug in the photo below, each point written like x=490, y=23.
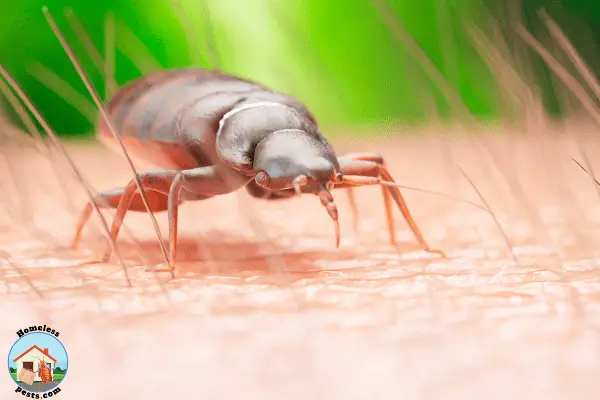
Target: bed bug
x=212, y=133
x=44, y=371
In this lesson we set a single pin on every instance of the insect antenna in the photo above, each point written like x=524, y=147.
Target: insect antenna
x=368, y=180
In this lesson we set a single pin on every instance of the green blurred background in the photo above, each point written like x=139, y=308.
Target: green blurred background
x=339, y=57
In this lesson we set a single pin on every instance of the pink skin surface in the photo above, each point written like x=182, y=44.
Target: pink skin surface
x=265, y=307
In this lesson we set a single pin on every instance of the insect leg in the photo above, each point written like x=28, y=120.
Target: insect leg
x=353, y=165
x=198, y=184
x=375, y=158
x=111, y=199
x=152, y=181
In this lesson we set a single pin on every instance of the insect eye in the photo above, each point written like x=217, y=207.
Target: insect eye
x=262, y=179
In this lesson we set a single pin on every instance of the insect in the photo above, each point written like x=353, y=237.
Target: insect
x=212, y=133
x=44, y=371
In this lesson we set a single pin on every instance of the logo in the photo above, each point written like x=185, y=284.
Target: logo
x=38, y=362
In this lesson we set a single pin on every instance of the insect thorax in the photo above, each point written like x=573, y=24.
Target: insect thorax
x=242, y=128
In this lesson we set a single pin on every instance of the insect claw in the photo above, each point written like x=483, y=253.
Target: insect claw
x=337, y=233
x=298, y=189
x=438, y=252
x=85, y=215
x=106, y=256
x=327, y=201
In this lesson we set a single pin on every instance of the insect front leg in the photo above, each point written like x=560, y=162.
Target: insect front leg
x=348, y=159
x=198, y=184
x=373, y=165
x=152, y=181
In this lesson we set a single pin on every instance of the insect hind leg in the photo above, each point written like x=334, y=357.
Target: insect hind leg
x=111, y=198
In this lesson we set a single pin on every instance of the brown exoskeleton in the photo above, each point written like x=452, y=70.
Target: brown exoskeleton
x=44, y=371
x=213, y=133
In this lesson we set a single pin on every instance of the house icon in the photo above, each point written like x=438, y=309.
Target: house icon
x=31, y=358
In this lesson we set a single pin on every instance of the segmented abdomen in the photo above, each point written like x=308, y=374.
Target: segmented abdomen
x=45, y=374
x=146, y=111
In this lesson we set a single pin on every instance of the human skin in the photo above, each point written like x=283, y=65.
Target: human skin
x=265, y=307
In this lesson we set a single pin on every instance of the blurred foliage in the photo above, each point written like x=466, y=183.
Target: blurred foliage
x=338, y=57
x=579, y=20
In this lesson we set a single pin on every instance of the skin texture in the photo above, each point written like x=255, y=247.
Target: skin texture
x=267, y=308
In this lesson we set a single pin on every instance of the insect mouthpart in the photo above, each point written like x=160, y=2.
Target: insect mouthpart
x=301, y=183
x=262, y=179
x=298, y=182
